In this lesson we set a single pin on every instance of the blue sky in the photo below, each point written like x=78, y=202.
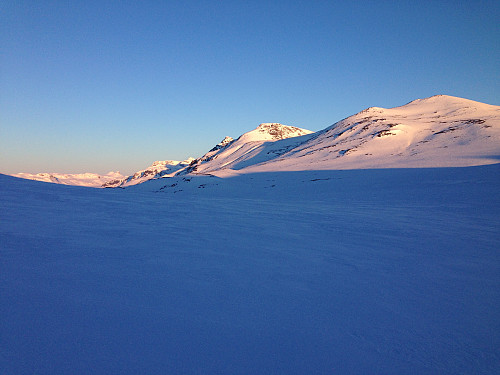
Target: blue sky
x=93, y=86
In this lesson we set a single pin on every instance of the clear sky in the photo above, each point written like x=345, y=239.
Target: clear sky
x=95, y=86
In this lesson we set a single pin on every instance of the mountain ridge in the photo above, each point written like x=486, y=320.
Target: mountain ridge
x=75, y=179
x=158, y=169
x=438, y=131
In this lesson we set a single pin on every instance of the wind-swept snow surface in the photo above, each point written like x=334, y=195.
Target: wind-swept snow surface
x=388, y=271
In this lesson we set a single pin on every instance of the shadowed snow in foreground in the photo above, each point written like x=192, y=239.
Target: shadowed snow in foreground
x=368, y=271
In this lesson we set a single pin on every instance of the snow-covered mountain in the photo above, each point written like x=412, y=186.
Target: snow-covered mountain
x=158, y=169
x=77, y=179
x=253, y=147
x=440, y=131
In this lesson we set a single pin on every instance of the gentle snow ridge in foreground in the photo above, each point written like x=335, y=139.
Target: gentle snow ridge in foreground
x=389, y=271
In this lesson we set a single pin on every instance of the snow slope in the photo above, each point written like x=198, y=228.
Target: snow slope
x=440, y=131
x=76, y=179
x=386, y=271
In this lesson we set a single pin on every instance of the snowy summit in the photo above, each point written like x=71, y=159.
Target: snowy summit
x=257, y=143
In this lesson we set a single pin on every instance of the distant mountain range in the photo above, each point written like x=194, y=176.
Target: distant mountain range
x=157, y=170
x=440, y=131
x=77, y=179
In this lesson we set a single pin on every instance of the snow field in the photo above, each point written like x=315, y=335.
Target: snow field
x=367, y=271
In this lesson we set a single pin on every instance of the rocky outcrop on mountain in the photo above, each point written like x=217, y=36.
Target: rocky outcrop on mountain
x=273, y=131
x=207, y=157
x=225, y=142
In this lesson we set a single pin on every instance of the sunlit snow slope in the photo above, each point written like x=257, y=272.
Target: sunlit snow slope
x=440, y=131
